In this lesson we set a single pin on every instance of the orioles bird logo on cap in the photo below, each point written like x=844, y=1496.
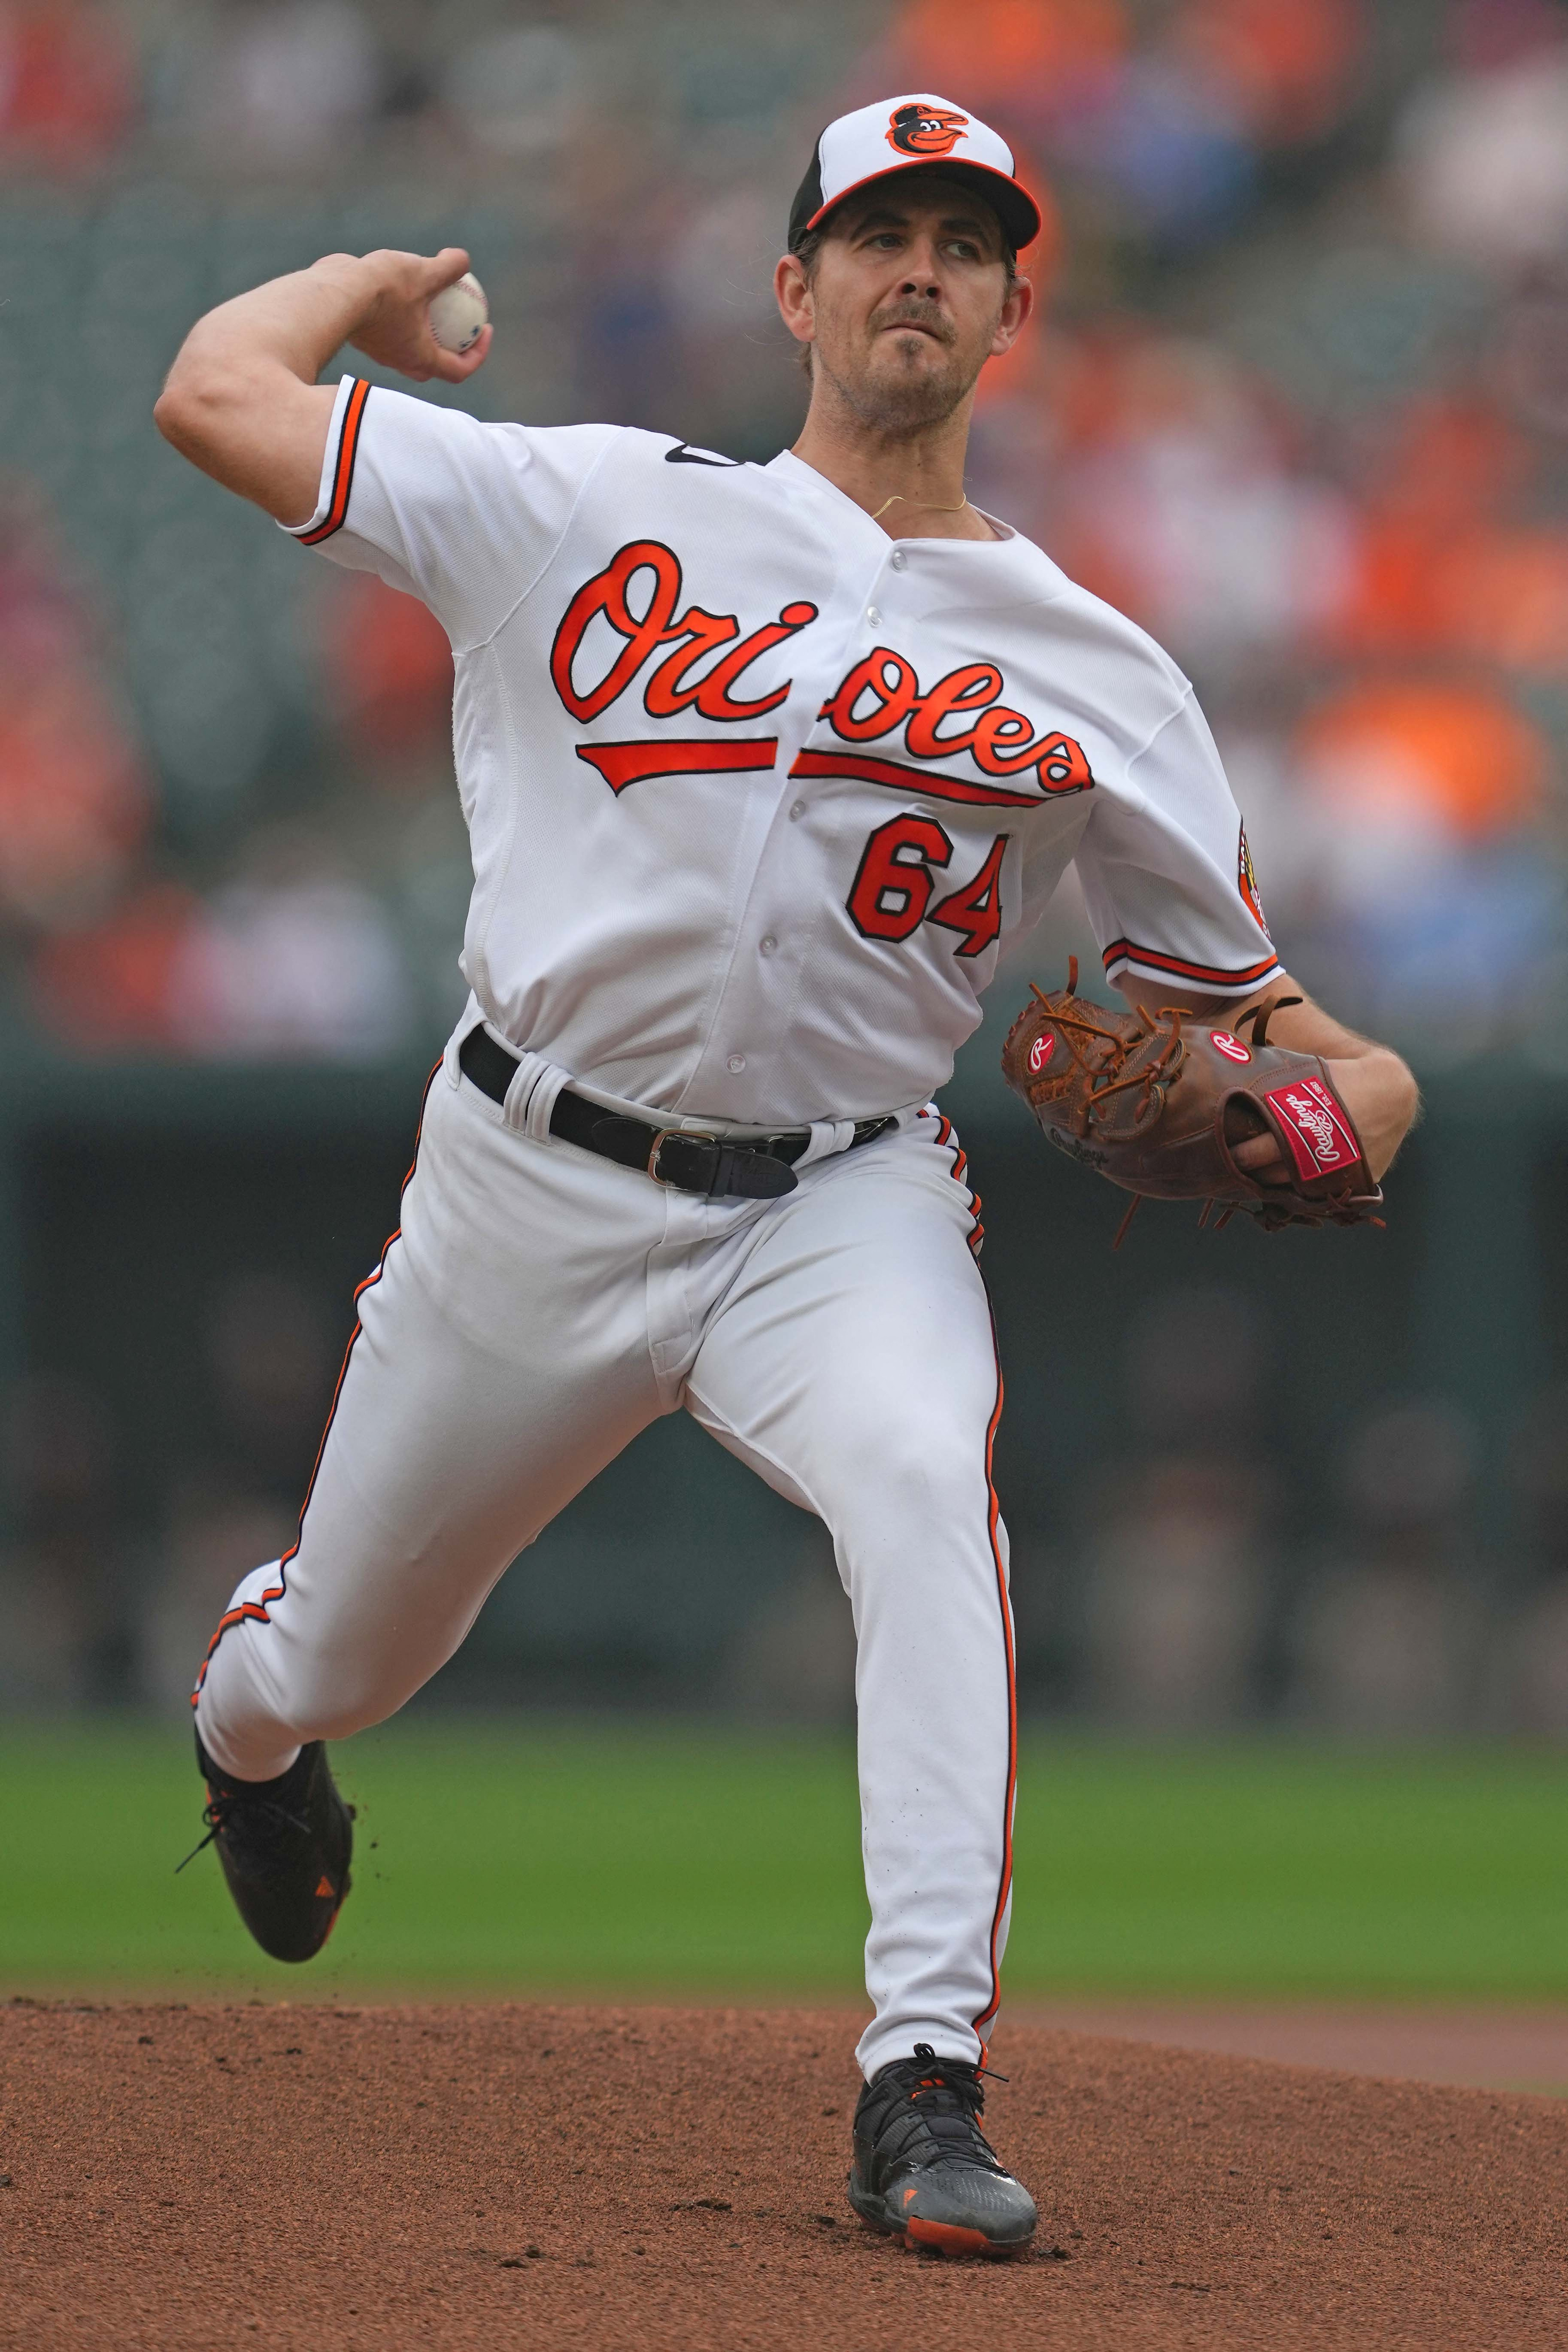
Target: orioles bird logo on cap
x=925, y=130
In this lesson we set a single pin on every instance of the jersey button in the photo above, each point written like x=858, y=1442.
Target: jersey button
x=872, y=614
x=798, y=810
x=897, y=559
x=736, y=1064
x=769, y=943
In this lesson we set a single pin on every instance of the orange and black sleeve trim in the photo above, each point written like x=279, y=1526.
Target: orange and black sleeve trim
x=1229, y=980
x=343, y=471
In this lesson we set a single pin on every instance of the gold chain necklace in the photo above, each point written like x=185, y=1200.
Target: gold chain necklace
x=926, y=506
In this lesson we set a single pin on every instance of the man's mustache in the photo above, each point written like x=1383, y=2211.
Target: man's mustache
x=910, y=311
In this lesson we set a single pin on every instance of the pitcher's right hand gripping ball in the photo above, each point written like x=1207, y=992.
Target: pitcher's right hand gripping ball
x=459, y=314
x=1158, y=1104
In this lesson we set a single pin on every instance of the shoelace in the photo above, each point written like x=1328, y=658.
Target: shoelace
x=217, y=1820
x=948, y=2101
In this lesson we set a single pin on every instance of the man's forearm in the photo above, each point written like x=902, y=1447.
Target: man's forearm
x=1378, y=1089
x=242, y=401
x=295, y=322
x=1306, y=1028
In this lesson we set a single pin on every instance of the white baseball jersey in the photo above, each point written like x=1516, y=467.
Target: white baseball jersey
x=756, y=796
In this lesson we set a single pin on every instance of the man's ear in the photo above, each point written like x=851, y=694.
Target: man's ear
x=1015, y=311
x=792, y=291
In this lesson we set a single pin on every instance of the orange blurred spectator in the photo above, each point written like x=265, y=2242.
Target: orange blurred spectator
x=1442, y=459
x=1021, y=375
x=1396, y=603
x=67, y=86
x=1505, y=598
x=1003, y=55
x=73, y=804
x=1090, y=368
x=1283, y=68
x=1176, y=499
x=112, y=984
x=1439, y=568
x=1457, y=755
x=390, y=670
x=1437, y=467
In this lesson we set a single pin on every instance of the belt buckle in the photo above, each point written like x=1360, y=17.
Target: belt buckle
x=673, y=1134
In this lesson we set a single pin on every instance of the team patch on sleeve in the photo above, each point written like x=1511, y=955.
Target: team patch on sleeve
x=343, y=471
x=1247, y=882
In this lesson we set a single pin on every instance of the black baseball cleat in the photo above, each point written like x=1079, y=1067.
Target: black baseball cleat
x=924, y=2171
x=285, y=1846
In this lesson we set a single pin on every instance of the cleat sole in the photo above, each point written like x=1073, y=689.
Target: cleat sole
x=945, y=2241
x=942, y=2240
x=948, y=2238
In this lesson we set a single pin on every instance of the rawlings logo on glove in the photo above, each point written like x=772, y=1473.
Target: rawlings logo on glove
x=1158, y=1106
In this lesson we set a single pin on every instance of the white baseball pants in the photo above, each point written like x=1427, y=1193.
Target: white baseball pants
x=539, y=1306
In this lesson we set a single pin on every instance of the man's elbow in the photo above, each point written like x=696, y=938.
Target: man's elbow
x=1407, y=1094
x=178, y=409
x=190, y=410
x=168, y=414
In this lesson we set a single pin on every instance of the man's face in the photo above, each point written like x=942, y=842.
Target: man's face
x=908, y=298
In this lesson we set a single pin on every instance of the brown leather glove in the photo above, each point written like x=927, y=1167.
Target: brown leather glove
x=1156, y=1105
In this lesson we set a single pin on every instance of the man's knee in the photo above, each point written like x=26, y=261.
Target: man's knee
x=303, y=1685
x=330, y=1692
x=918, y=1467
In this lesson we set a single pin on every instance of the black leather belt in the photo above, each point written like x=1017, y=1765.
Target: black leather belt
x=670, y=1155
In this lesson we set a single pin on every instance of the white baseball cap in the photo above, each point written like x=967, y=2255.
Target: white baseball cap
x=908, y=134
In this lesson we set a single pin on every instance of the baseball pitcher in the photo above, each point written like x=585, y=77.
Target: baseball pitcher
x=763, y=767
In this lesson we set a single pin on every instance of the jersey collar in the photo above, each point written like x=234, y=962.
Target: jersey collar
x=795, y=470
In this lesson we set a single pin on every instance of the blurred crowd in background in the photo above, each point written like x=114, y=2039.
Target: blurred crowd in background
x=1297, y=399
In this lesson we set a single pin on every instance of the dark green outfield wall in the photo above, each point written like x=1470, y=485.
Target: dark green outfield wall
x=129, y=1196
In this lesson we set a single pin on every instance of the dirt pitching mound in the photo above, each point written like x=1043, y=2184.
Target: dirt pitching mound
x=464, y=2176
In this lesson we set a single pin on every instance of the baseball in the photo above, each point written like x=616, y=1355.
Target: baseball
x=458, y=313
